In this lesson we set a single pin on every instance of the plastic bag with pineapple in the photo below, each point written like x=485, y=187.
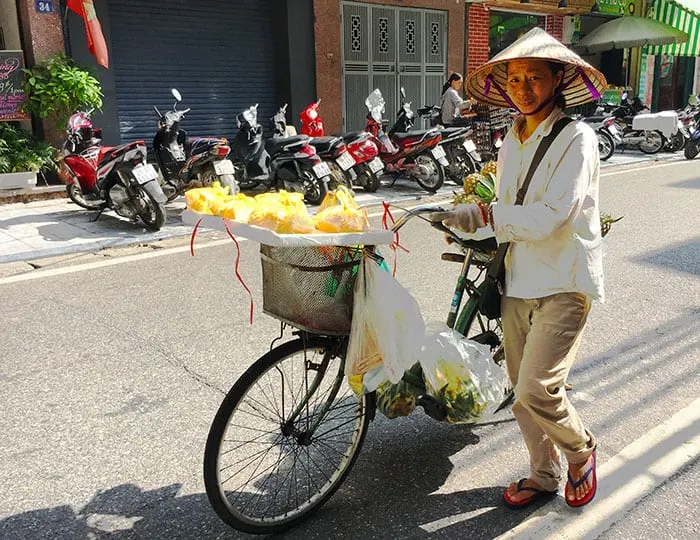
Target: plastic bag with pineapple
x=461, y=375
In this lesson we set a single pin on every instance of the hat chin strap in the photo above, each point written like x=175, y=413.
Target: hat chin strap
x=579, y=72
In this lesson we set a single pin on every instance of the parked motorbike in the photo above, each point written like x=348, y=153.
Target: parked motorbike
x=686, y=126
x=116, y=177
x=416, y=154
x=365, y=167
x=184, y=162
x=619, y=124
x=282, y=162
x=458, y=143
x=692, y=145
x=604, y=128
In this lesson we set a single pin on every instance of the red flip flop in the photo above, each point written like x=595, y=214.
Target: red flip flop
x=537, y=494
x=571, y=485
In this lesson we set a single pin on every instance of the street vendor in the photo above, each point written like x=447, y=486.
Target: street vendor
x=452, y=106
x=553, y=266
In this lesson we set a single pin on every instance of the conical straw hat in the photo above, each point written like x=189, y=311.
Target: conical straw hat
x=583, y=82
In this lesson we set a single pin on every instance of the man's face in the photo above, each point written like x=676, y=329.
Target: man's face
x=531, y=83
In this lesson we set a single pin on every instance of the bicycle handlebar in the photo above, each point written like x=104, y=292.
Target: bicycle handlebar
x=424, y=210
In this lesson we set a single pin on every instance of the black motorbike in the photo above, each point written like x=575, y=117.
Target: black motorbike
x=692, y=145
x=281, y=162
x=185, y=163
x=458, y=143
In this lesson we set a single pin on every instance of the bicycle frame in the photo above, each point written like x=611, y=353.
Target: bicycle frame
x=459, y=318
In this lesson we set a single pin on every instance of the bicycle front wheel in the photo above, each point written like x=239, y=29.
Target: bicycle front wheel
x=285, y=437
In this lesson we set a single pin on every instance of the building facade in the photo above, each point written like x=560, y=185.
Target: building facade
x=226, y=56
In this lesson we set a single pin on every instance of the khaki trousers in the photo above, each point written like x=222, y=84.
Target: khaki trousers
x=541, y=337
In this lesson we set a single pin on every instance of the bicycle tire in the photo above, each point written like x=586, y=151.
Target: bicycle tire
x=218, y=431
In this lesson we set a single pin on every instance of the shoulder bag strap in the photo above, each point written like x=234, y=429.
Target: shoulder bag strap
x=496, y=267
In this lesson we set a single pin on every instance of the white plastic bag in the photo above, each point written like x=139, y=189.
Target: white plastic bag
x=387, y=326
x=461, y=374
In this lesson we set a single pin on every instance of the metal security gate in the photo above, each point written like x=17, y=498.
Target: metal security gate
x=220, y=55
x=387, y=47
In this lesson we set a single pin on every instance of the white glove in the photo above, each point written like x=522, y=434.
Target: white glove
x=467, y=217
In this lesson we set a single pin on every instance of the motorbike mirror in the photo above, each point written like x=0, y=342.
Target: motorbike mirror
x=403, y=93
x=693, y=101
x=624, y=95
x=176, y=94
x=284, y=108
x=157, y=111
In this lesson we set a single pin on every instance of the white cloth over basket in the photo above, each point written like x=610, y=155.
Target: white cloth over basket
x=665, y=121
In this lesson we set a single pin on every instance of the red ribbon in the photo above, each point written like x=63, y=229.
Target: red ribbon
x=194, y=233
x=238, y=275
x=396, y=243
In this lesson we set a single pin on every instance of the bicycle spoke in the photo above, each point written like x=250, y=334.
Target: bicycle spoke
x=277, y=416
x=258, y=415
x=335, y=428
x=250, y=457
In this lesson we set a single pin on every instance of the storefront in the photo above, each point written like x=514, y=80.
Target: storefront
x=384, y=44
x=222, y=56
x=505, y=27
x=673, y=66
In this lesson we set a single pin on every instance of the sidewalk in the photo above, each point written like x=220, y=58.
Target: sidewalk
x=44, y=229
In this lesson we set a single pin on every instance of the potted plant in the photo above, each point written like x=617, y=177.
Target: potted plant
x=22, y=157
x=56, y=88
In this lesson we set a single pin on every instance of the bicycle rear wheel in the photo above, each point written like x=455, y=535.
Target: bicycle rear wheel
x=285, y=437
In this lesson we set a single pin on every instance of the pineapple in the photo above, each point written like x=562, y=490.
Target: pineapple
x=471, y=181
x=489, y=168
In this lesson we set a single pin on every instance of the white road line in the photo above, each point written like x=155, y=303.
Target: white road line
x=645, y=168
x=39, y=274
x=435, y=526
x=624, y=480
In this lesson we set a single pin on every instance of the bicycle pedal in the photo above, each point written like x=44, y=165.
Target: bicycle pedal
x=453, y=257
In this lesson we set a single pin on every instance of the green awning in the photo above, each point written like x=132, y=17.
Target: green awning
x=680, y=14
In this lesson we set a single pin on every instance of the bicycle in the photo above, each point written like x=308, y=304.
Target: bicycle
x=287, y=433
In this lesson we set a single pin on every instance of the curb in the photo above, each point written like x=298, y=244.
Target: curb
x=32, y=194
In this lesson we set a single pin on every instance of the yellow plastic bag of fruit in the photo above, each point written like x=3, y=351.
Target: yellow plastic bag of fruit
x=239, y=208
x=202, y=199
x=340, y=213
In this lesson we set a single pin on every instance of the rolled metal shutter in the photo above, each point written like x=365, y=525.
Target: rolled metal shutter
x=219, y=55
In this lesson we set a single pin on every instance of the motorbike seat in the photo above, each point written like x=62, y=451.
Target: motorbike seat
x=356, y=136
x=400, y=137
x=326, y=145
x=594, y=119
x=275, y=145
x=104, y=150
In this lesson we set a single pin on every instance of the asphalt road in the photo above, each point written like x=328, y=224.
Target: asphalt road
x=111, y=376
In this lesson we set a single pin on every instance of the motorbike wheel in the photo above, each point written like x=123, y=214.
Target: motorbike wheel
x=76, y=195
x=466, y=166
x=244, y=181
x=315, y=190
x=153, y=215
x=654, y=142
x=436, y=176
x=675, y=143
x=373, y=182
x=691, y=149
x=209, y=176
x=338, y=177
x=606, y=145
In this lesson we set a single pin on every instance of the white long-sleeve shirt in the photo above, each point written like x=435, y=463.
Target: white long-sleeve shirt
x=556, y=243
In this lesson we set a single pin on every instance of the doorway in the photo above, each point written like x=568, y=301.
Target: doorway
x=388, y=48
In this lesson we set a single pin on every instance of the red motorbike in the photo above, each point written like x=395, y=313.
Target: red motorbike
x=416, y=154
x=355, y=154
x=116, y=177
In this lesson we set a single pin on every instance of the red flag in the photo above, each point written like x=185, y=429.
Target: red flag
x=96, y=40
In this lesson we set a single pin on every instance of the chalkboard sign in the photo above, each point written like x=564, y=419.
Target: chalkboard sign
x=11, y=94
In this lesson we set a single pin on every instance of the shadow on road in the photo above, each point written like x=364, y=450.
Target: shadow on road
x=391, y=492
